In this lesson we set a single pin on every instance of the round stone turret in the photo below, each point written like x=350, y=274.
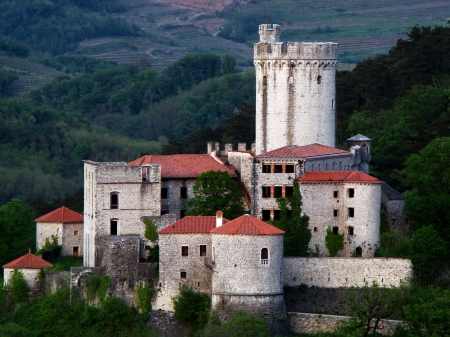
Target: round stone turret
x=295, y=91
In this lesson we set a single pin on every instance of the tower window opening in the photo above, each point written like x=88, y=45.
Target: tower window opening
x=278, y=168
x=266, y=191
x=264, y=256
x=183, y=192
x=266, y=214
x=351, y=212
x=335, y=194
x=184, y=250
x=75, y=251
x=315, y=229
x=289, y=168
x=114, y=204
x=289, y=191
x=351, y=192
x=335, y=212
x=113, y=227
x=278, y=192
x=319, y=79
x=335, y=230
x=350, y=230
x=276, y=214
x=266, y=168
x=358, y=251
x=164, y=193
x=183, y=274
x=202, y=250
x=332, y=104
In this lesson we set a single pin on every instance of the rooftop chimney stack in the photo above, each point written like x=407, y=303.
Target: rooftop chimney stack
x=219, y=218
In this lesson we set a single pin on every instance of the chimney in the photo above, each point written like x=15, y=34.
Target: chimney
x=219, y=218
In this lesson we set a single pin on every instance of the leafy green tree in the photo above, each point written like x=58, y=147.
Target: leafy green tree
x=17, y=287
x=151, y=230
x=368, y=307
x=18, y=230
x=191, y=309
x=394, y=244
x=427, y=255
x=294, y=224
x=427, y=174
x=216, y=191
x=333, y=242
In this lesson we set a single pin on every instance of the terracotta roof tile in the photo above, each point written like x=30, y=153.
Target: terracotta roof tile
x=247, y=225
x=185, y=165
x=306, y=152
x=322, y=177
x=28, y=261
x=62, y=214
x=192, y=224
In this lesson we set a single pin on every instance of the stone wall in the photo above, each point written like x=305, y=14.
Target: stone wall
x=313, y=323
x=56, y=280
x=45, y=230
x=242, y=161
x=31, y=276
x=329, y=205
x=335, y=272
x=174, y=203
x=72, y=236
x=172, y=264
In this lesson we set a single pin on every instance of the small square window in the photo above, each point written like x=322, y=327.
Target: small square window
x=315, y=229
x=351, y=212
x=183, y=192
x=289, y=191
x=184, y=251
x=335, y=230
x=75, y=232
x=183, y=274
x=335, y=212
x=351, y=192
x=289, y=168
x=202, y=250
x=335, y=194
x=266, y=168
x=350, y=230
x=266, y=214
x=164, y=193
x=278, y=168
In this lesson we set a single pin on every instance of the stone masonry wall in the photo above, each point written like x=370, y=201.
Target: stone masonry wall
x=242, y=162
x=72, y=236
x=313, y=323
x=172, y=264
x=326, y=210
x=335, y=272
x=45, y=230
x=31, y=276
x=174, y=204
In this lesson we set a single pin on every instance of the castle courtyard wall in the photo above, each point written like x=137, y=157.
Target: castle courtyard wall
x=337, y=272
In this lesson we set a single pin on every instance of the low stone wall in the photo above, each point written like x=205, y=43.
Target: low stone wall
x=337, y=272
x=56, y=280
x=313, y=323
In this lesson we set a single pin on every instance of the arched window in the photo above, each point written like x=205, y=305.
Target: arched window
x=114, y=200
x=264, y=256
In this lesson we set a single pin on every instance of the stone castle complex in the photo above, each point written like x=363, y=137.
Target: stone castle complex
x=239, y=262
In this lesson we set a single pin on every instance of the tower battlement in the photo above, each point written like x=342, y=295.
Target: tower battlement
x=296, y=50
x=269, y=33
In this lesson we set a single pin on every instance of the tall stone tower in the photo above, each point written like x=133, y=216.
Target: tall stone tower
x=295, y=91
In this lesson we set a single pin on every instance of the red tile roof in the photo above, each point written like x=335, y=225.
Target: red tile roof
x=307, y=152
x=247, y=225
x=192, y=224
x=28, y=261
x=185, y=165
x=62, y=214
x=323, y=177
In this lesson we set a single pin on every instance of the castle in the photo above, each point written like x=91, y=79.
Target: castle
x=239, y=262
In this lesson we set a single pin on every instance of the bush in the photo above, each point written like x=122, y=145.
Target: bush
x=191, y=309
x=144, y=293
x=393, y=244
x=17, y=287
x=334, y=242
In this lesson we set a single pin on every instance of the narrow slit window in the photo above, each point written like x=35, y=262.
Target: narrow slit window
x=315, y=229
x=335, y=194
x=335, y=212
x=164, y=193
x=319, y=79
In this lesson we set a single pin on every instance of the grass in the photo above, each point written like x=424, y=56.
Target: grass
x=64, y=263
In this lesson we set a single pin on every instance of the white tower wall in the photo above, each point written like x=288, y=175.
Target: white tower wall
x=295, y=91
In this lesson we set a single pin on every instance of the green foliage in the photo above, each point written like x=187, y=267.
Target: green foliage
x=92, y=284
x=151, y=230
x=216, y=191
x=295, y=225
x=241, y=324
x=77, y=64
x=7, y=78
x=17, y=287
x=394, y=244
x=51, y=249
x=368, y=307
x=144, y=294
x=18, y=230
x=65, y=263
x=103, y=287
x=153, y=254
x=427, y=255
x=427, y=175
x=333, y=242
x=426, y=310
x=191, y=309
x=13, y=48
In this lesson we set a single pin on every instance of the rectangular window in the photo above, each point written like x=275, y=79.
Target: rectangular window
x=202, y=250
x=289, y=168
x=182, y=213
x=350, y=230
x=183, y=274
x=75, y=251
x=335, y=194
x=113, y=227
x=335, y=212
x=351, y=193
x=114, y=201
x=315, y=229
x=278, y=168
x=266, y=215
x=164, y=212
x=278, y=192
x=164, y=193
x=183, y=192
x=75, y=232
x=276, y=214
x=351, y=212
x=266, y=168
x=266, y=191
x=289, y=191
x=335, y=230
x=184, y=250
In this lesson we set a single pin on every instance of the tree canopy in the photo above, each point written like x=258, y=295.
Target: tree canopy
x=216, y=191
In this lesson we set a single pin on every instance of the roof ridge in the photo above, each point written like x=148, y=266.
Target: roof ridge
x=254, y=222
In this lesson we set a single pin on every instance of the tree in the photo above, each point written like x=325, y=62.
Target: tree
x=427, y=174
x=368, y=307
x=295, y=225
x=151, y=230
x=334, y=242
x=216, y=191
x=427, y=255
x=18, y=230
x=191, y=309
x=17, y=287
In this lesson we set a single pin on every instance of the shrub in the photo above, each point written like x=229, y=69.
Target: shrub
x=334, y=242
x=144, y=293
x=17, y=287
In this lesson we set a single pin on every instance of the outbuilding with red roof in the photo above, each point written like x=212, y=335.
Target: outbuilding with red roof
x=29, y=265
